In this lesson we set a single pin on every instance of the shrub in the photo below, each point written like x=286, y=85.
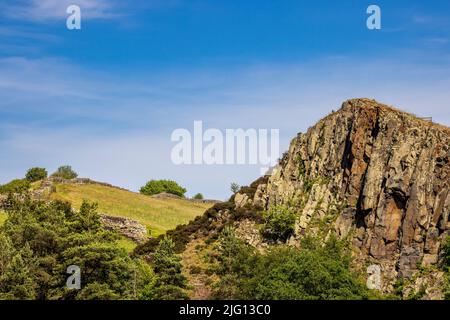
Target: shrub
x=306, y=274
x=234, y=187
x=15, y=186
x=279, y=223
x=446, y=254
x=199, y=196
x=314, y=272
x=36, y=174
x=170, y=282
x=158, y=186
x=446, y=266
x=236, y=261
x=65, y=172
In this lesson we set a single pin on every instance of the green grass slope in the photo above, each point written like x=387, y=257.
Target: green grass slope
x=158, y=215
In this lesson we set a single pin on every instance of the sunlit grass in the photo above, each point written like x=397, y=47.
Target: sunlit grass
x=126, y=244
x=158, y=215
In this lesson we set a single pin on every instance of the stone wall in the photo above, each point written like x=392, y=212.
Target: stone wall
x=127, y=227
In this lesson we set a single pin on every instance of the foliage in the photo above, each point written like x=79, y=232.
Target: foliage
x=65, y=172
x=446, y=266
x=234, y=264
x=279, y=222
x=15, y=186
x=170, y=282
x=234, y=187
x=446, y=255
x=36, y=174
x=199, y=196
x=158, y=186
x=40, y=240
x=313, y=272
x=301, y=166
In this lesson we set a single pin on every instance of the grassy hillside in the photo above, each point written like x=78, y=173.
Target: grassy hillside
x=159, y=215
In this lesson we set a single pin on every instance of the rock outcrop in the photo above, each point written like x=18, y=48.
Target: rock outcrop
x=380, y=176
x=127, y=227
x=369, y=173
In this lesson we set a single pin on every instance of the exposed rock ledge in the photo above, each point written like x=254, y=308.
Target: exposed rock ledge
x=127, y=227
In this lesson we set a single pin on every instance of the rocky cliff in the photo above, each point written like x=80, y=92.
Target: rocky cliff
x=380, y=176
x=367, y=172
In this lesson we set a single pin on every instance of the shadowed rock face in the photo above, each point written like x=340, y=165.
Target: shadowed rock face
x=385, y=172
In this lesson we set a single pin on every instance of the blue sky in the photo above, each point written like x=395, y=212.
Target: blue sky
x=106, y=98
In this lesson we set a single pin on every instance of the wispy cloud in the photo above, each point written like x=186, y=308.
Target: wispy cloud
x=437, y=40
x=54, y=10
x=49, y=10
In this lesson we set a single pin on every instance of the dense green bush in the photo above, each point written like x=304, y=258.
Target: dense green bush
x=65, y=172
x=158, y=186
x=235, y=263
x=36, y=174
x=314, y=272
x=39, y=240
x=199, y=196
x=306, y=274
x=446, y=254
x=170, y=282
x=446, y=266
x=15, y=186
x=279, y=222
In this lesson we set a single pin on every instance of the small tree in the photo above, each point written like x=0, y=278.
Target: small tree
x=167, y=266
x=279, y=223
x=159, y=186
x=234, y=187
x=236, y=261
x=65, y=172
x=199, y=196
x=17, y=282
x=36, y=174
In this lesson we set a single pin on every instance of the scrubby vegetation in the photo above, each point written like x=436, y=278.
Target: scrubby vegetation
x=65, y=172
x=199, y=196
x=316, y=271
x=159, y=186
x=234, y=187
x=279, y=222
x=170, y=283
x=15, y=186
x=36, y=174
x=446, y=266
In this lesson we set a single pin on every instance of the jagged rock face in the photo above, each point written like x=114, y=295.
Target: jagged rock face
x=384, y=172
